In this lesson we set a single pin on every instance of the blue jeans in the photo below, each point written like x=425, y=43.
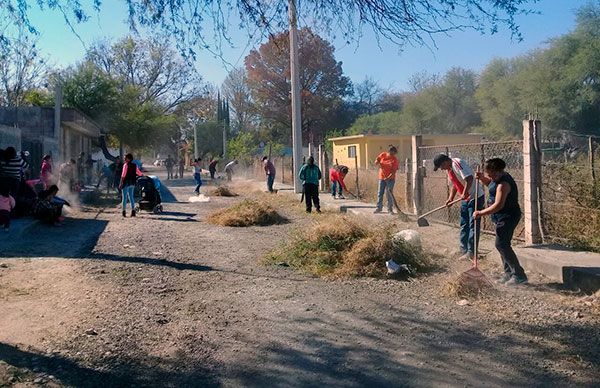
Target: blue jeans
x=467, y=230
x=270, y=181
x=198, y=179
x=386, y=186
x=128, y=194
x=336, y=187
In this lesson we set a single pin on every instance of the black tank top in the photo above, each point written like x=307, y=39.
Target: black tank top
x=511, y=205
x=130, y=175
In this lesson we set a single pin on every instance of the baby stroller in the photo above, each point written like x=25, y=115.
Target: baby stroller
x=148, y=194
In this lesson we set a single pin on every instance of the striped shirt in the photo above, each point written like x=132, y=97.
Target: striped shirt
x=13, y=168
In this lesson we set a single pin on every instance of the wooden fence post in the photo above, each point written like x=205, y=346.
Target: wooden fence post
x=417, y=174
x=592, y=157
x=532, y=181
x=408, y=186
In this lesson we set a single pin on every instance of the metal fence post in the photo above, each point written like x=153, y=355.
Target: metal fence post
x=417, y=175
x=326, y=173
x=356, y=167
x=532, y=181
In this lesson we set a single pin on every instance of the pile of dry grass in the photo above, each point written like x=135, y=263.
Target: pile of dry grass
x=223, y=191
x=246, y=213
x=464, y=286
x=341, y=247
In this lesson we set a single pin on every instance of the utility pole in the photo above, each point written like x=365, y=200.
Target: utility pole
x=296, y=111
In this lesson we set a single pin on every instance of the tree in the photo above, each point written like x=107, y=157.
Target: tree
x=401, y=21
x=237, y=91
x=243, y=147
x=368, y=94
x=322, y=82
x=89, y=89
x=140, y=90
x=150, y=66
x=21, y=68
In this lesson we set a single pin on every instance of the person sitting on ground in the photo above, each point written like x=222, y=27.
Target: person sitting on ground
x=229, y=169
x=127, y=185
x=388, y=165
x=47, y=209
x=212, y=168
x=461, y=176
x=505, y=212
x=270, y=171
x=311, y=175
x=197, y=175
x=336, y=177
x=7, y=204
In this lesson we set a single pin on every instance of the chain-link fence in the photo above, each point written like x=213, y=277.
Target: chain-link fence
x=571, y=193
x=436, y=186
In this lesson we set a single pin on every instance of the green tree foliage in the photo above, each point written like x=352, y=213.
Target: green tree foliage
x=243, y=147
x=91, y=90
x=210, y=138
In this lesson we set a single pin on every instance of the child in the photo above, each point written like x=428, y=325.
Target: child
x=197, y=176
x=311, y=175
x=506, y=213
x=7, y=204
x=128, y=177
x=336, y=176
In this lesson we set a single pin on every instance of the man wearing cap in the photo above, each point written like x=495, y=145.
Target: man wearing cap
x=462, y=178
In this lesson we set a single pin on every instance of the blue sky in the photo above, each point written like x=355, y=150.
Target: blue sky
x=386, y=64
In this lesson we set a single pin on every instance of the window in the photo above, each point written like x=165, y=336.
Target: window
x=352, y=152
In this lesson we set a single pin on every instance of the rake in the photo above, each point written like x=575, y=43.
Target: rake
x=422, y=221
x=474, y=277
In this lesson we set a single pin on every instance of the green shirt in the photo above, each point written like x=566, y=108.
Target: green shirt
x=310, y=174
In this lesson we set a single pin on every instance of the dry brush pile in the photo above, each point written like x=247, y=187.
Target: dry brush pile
x=247, y=213
x=342, y=247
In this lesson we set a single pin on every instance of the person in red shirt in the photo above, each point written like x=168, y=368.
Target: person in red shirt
x=388, y=165
x=46, y=171
x=270, y=172
x=336, y=177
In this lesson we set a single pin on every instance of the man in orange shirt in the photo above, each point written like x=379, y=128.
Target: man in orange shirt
x=388, y=165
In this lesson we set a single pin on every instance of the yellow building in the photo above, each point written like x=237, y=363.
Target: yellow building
x=368, y=147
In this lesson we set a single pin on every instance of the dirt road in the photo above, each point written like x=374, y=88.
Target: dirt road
x=168, y=300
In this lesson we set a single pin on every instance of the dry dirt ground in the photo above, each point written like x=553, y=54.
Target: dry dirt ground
x=169, y=300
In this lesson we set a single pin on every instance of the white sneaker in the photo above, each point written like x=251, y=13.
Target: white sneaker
x=466, y=256
x=341, y=197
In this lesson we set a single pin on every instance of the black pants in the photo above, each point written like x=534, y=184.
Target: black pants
x=505, y=229
x=212, y=173
x=12, y=184
x=311, y=195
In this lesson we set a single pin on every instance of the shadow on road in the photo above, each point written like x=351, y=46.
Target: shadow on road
x=126, y=372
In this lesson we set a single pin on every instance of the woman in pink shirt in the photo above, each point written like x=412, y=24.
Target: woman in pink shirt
x=7, y=203
x=46, y=171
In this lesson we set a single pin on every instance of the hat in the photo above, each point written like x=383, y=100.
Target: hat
x=438, y=160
